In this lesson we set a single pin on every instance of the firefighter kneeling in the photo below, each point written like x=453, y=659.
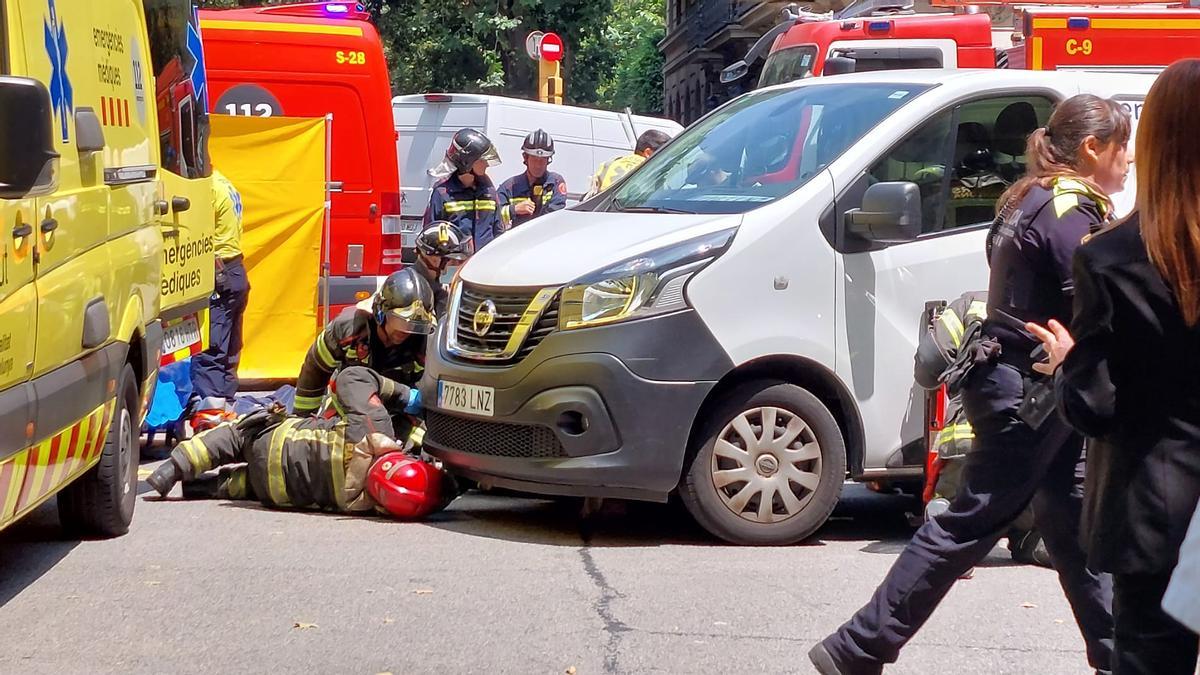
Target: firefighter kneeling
x=350, y=463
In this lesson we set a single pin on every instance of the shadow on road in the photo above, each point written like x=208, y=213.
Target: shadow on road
x=876, y=520
x=29, y=548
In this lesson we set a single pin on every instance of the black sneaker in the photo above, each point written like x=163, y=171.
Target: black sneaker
x=823, y=661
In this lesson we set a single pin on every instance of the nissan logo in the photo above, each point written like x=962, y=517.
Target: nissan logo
x=485, y=317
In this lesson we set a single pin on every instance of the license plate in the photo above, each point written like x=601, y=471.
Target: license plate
x=181, y=336
x=466, y=398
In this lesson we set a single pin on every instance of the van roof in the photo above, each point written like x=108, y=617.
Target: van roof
x=970, y=77
x=423, y=99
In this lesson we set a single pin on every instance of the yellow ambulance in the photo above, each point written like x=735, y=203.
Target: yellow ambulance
x=105, y=238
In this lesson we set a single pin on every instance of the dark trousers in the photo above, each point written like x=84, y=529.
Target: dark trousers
x=1010, y=466
x=1149, y=641
x=214, y=371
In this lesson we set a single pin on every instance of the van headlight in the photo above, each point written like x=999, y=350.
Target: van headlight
x=643, y=286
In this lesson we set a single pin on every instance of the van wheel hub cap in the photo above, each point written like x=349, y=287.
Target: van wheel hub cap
x=766, y=465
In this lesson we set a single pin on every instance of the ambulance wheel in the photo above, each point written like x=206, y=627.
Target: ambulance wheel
x=100, y=502
x=767, y=467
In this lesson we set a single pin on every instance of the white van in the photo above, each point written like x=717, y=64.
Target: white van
x=743, y=335
x=583, y=139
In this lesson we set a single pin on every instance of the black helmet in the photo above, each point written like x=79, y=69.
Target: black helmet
x=407, y=295
x=469, y=146
x=441, y=239
x=538, y=144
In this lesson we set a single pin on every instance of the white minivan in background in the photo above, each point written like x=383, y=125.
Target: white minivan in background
x=736, y=321
x=583, y=139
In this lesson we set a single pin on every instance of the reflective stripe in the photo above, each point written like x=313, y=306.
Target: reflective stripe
x=337, y=461
x=417, y=436
x=458, y=207
x=276, y=484
x=485, y=205
x=521, y=200
x=323, y=353
x=197, y=454
x=307, y=403
x=953, y=325
x=235, y=488
x=957, y=432
x=977, y=310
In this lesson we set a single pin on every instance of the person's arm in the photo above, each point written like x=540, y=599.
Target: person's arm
x=1061, y=234
x=504, y=204
x=433, y=209
x=1086, y=394
x=558, y=201
x=322, y=359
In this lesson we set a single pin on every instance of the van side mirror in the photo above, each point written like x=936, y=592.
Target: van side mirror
x=838, y=65
x=28, y=162
x=890, y=213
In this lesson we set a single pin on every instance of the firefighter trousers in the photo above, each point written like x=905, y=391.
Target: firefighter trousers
x=357, y=392
x=1010, y=466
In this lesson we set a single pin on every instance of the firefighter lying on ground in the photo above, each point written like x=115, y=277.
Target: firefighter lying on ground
x=348, y=463
x=939, y=346
x=441, y=250
x=386, y=333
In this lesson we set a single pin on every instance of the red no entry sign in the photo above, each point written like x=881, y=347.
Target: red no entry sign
x=551, y=47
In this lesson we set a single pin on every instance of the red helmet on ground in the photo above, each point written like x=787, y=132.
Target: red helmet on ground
x=406, y=488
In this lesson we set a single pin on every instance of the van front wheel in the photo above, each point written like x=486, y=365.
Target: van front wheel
x=769, y=467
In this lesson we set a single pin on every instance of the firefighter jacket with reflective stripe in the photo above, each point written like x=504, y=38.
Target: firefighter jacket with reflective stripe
x=353, y=339
x=473, y=210
x=547, y=194
x=938, y=348
x=612, y=171
x=302, y=462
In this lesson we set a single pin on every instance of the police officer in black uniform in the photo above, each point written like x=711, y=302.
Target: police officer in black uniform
x=536, y=191
x=1022, y=451
x=465, y=196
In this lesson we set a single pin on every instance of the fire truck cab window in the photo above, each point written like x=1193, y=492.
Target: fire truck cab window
x=785, y=65
x=182, y=115
x=965, y=158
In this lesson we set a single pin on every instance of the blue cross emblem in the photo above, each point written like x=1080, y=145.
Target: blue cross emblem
x=61, y=95
x=195, y=49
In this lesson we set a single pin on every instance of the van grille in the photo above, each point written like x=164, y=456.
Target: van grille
x=496, y=439
x=510, y=307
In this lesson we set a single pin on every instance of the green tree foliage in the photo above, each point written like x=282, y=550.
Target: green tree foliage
x=612, y=58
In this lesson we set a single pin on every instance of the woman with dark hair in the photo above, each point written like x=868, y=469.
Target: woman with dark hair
x=1019, y=456
x=1132, y=380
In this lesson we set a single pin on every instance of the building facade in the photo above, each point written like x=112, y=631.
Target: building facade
x=704, y=36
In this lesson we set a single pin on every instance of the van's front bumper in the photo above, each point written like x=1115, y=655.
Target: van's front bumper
x=603, y=412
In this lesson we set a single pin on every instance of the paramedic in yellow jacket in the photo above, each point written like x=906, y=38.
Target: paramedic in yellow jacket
x=612, y=171
x=214, y=371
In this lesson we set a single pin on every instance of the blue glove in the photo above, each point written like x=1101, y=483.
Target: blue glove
x=414, y=406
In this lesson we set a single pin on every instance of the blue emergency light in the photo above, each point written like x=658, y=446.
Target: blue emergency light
x=879, y=26
x=1079, y=23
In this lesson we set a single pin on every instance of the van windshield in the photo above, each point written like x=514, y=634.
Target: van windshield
x=758, y=148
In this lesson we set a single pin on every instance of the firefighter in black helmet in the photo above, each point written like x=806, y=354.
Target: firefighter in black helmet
x=441, y=250
x=385, y=333
x=465, y=195
x=537, y=191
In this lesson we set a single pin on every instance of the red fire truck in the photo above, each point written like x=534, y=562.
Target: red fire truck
x=309, y=60
x=887, y=35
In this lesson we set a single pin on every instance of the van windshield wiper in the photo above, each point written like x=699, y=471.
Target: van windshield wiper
x=618, y=207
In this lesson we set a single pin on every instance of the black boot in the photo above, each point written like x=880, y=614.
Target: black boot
x=205, y=487
x=165, y=477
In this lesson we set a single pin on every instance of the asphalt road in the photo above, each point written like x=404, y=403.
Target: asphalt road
x=496, y=584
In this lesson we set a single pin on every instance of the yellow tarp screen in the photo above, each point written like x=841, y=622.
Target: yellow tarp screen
x=278, y=166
